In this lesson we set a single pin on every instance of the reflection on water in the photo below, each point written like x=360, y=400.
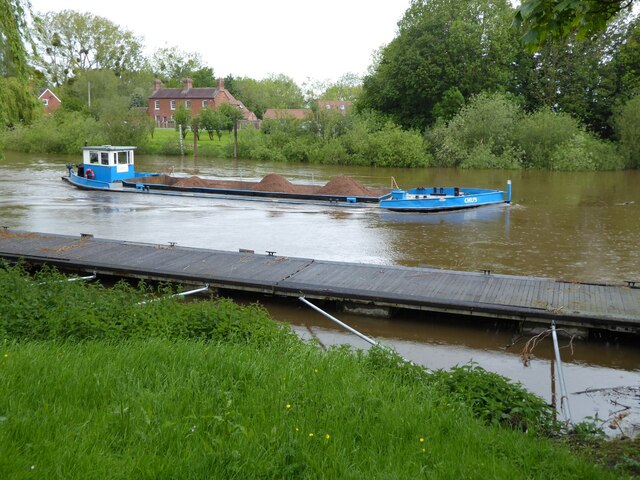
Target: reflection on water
x=573, y=226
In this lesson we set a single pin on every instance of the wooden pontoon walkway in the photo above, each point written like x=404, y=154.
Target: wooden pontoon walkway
x=538, y=300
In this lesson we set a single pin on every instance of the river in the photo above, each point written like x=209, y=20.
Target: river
x=572, y=226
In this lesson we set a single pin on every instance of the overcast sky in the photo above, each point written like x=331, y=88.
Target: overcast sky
x=255, y=38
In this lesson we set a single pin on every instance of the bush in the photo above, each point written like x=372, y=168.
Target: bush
x=63, y=132
x=627, y=124
x=481, y=131
x=495, y=400
x=539, y=134
x=585, y=152
x=483, y=156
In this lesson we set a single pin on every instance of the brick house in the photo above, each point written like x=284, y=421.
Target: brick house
x=286, y=113
x=164, y=102
x=50, y=101
x=341, y=106
x=301, y=113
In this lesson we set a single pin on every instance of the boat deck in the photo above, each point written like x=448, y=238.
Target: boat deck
x=530, y=299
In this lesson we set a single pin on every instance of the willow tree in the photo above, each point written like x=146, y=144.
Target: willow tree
x=17, y=101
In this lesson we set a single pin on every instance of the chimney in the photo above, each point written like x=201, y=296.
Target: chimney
x=187, y=83
x=157, y=84
x=221, y=84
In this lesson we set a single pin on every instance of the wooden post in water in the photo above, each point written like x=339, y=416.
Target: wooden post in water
x=235, y=138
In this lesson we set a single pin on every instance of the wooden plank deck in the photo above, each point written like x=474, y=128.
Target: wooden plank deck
x=531, y=299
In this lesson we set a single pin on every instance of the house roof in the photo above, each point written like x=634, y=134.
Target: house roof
x=181, y=93
x=45, y=90
x=284, y=113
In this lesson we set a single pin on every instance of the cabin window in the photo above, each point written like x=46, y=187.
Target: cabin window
x=187, y=103
x=93, y=157
x=157, y=104
x=173, y=104
x=104, y=158
x=122, y=158
x=205, y=103
x=45, y=101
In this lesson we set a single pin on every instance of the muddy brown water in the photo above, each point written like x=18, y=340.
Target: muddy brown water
x=571, y=226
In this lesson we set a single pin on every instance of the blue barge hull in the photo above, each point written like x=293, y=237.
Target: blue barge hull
x=443, y=199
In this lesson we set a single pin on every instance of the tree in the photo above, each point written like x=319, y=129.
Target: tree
x=544, y=20
x=171, y=65
x=13, y=35
x=586, y=79
x=213, y=121
x=123, y=126
x=276, y=91
x=18, y=102
x=480, y=135
x=182, y=117
x=441, y=44
x=70, y=42
x=233, y=115
x=627, y=123
x=347, y=88
x=93, y=91
x=451, y=103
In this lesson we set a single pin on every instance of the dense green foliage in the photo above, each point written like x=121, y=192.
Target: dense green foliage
x=332, y=138
x=454, y=88
x=627, y=122
x=493, y=131
x=447, y=51
x=441, y=44
x=68, y=132
x=18, y=104
x=549, y=19
x=13, y=37
x=101, y=386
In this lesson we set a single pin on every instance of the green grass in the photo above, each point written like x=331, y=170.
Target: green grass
x=189, y=409
x=166, y=141
x=96, y=386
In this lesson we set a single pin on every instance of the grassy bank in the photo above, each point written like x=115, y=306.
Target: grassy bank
x=166, y=141
x=97, y=386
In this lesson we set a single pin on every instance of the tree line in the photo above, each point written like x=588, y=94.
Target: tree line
x=449, y=58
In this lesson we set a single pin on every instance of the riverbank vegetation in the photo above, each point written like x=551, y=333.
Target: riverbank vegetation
x=459, y=86
x=97, y=385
